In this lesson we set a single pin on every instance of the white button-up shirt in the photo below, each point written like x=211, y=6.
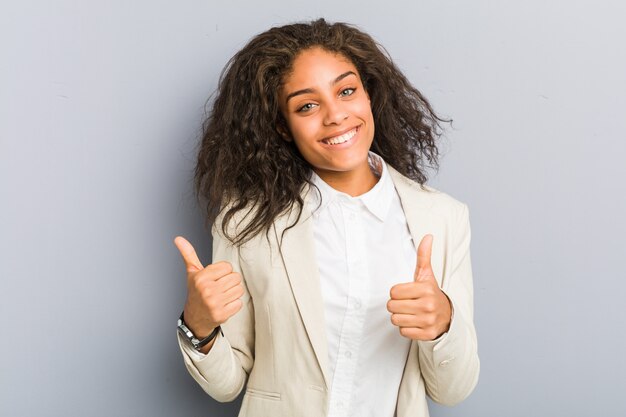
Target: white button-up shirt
x=363, y=248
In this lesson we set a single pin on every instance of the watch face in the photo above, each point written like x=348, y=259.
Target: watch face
x=185, y=332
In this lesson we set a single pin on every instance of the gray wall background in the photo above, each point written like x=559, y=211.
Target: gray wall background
x=100, y=108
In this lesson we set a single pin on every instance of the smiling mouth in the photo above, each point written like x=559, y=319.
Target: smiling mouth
x=342, y=138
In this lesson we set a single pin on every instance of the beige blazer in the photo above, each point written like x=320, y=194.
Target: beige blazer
x=277, y=341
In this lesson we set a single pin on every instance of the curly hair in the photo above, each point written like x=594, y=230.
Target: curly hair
x=244, y=165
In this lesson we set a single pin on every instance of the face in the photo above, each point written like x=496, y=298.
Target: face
x=328, y=115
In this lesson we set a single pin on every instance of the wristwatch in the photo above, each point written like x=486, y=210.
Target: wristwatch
x=189, y=336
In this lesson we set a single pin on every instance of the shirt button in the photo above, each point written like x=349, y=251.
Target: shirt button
x=357, y=304
x=348, y=354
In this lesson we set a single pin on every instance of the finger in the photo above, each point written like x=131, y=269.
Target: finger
x=424, y=251
x=218, y=271
x=401, y=306
x=415, y=333
x=233, y=294
x=410, y=290
x=192, y=262
x=422, y=321
x=228, y=281
x=233, y=307
x=404, y=320
x=422, y=307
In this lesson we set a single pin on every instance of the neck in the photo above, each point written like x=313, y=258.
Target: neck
x=353, y=183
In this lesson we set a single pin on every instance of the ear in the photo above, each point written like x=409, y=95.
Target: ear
x=283, y=131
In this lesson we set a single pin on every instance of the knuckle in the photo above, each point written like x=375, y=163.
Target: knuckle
x=211, y=304
x=205, y=292
x=199, y=287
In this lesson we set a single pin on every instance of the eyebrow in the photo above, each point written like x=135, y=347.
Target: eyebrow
x=311, y=90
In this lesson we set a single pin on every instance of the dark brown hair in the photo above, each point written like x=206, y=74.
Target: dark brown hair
x=244, y=163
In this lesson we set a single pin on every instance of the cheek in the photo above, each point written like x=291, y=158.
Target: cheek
x=367, y=108
x=303, y=130
x=363, y=109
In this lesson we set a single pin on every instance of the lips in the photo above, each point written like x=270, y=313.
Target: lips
x=342, y=138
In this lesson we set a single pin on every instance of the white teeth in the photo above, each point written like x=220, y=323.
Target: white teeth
x=341, y=139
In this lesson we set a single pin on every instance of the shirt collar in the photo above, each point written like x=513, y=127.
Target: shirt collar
x=377, y=200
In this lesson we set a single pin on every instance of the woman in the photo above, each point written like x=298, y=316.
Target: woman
x=312, y=164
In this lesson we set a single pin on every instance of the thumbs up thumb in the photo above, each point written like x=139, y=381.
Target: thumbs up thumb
x=423, y=268
x=192, y=262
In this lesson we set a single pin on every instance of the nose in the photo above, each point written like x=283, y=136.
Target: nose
x=335, y=114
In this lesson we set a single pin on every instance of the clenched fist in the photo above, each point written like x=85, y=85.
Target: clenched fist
x=419, y=308
x=213, y=292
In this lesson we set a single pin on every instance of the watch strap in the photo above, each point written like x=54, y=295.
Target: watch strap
x=188, y=334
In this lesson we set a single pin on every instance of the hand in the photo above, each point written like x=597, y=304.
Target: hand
x=419, y=308
x=212, y=293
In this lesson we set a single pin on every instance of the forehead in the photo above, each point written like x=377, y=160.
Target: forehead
x=316, y=66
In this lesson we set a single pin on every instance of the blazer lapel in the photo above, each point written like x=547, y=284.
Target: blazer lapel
x=297, y=250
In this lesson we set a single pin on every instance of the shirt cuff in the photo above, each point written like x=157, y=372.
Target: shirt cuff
x=198, y=357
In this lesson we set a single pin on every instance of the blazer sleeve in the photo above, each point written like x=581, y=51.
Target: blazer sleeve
x=450, y=364
x=224, y=370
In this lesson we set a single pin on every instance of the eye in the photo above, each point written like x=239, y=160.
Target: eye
x=347, y=92
x=305, y=108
